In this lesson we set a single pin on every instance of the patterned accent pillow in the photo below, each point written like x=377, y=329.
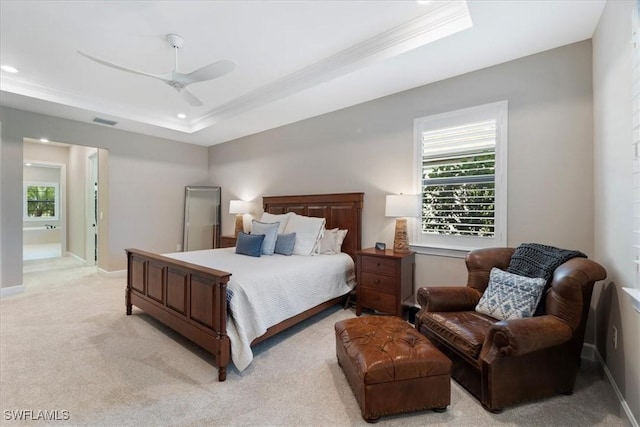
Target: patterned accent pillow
x=509, y=296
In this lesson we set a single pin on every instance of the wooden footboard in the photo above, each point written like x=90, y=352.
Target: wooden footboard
x=188, y=298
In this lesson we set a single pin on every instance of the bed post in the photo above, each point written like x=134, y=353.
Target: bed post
x=224, y=344
x=127, y=290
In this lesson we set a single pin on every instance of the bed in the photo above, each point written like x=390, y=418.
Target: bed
x=192, y=298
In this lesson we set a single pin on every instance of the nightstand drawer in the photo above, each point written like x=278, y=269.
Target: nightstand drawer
x=378, y=282
x=378, y=300
x=227, y=241
x=377, y=265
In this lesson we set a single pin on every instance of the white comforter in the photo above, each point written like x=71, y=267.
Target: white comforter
x=266, y=290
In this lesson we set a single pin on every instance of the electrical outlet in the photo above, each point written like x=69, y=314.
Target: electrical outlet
x=615, y=338
x=178, y=247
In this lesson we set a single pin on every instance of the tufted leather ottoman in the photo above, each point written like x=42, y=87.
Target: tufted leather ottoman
x=391, y=367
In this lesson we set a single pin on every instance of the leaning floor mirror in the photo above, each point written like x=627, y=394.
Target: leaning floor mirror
x=201, y=218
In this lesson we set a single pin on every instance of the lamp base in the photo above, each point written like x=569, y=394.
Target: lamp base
x=401, y=239
x=239, y=224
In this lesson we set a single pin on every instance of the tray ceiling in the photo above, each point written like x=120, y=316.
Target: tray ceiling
x=295, y=60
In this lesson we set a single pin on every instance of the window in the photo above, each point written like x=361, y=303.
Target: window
x=461, y=160
x=41, y=201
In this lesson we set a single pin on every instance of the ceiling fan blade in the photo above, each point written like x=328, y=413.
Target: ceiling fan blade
x=129, y=70
x=190, y=98
x=208, y=72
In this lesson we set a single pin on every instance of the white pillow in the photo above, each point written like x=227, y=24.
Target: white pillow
x=331, y=242
x=509, y=296
x=282, y=219
x=308, y=231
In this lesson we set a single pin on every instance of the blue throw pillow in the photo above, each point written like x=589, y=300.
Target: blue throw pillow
x=249, y=244
x=285, y=243
x=270, y=231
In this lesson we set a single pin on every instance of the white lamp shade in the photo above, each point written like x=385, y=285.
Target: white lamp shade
x=402, y=205
x=239, y=207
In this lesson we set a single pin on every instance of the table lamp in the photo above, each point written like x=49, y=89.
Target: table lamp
x=239, y=207
x=401, y=206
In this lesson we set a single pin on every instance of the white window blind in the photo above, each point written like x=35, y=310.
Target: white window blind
x=458, y=180
x=635, y=111
x=461, y=175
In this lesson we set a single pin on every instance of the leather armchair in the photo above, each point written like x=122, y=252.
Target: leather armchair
x=503, y=363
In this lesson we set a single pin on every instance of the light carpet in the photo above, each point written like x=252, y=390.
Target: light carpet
x=67, y=345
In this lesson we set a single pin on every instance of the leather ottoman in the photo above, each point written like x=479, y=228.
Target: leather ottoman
x=391, y=367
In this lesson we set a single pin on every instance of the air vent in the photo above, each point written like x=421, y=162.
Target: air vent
x=104, y=121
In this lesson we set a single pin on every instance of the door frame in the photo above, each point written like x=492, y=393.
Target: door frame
x=91, y=214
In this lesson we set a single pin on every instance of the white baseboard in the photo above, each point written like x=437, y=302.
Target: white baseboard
x=591, y=349
x=11, y=290
x=71, y=254
x=112, y=274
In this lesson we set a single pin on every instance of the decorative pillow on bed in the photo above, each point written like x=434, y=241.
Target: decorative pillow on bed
x=270, y=231
x=282, y=219
x=509, y=296
x=331, y=242
x=285, y=244
x=249, y=244
x=308, y=231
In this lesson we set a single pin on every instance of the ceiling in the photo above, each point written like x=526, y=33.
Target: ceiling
x=295, y=59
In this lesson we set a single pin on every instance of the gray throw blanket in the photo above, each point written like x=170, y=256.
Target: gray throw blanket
x=536, y=260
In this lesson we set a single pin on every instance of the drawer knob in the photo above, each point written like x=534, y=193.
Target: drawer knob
x=377, y=264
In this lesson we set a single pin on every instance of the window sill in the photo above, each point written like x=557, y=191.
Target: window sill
x=445, y=252
x=635, y=297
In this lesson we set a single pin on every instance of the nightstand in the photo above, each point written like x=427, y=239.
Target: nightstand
x=385, y=280
x=227, y=241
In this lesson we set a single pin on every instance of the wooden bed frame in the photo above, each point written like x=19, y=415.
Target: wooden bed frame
x=191, y=299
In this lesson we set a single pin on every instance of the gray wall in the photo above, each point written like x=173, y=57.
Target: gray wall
x=613, y=222
x=369, y=148
x=146, y=180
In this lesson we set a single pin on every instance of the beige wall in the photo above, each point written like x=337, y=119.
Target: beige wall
x=613, y=222
x=369, y=147
x=146, y=179
x=77, y=199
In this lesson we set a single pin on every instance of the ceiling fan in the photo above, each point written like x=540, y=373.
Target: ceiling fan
x=176, y=80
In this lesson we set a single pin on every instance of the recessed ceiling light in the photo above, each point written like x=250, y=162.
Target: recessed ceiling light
x=44, y=140
x=182, y=116
x=9, y=69
x=423, y=1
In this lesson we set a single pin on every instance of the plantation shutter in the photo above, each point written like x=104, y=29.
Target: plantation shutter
x=635, y=111
x=458, y=179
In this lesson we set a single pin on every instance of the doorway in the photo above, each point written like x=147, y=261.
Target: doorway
x=79, y=189
x=44, y=216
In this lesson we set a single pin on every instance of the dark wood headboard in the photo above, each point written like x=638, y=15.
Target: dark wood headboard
x=343, y=211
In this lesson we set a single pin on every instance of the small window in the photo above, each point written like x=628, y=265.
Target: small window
x=41, y=201
x=461, y=174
